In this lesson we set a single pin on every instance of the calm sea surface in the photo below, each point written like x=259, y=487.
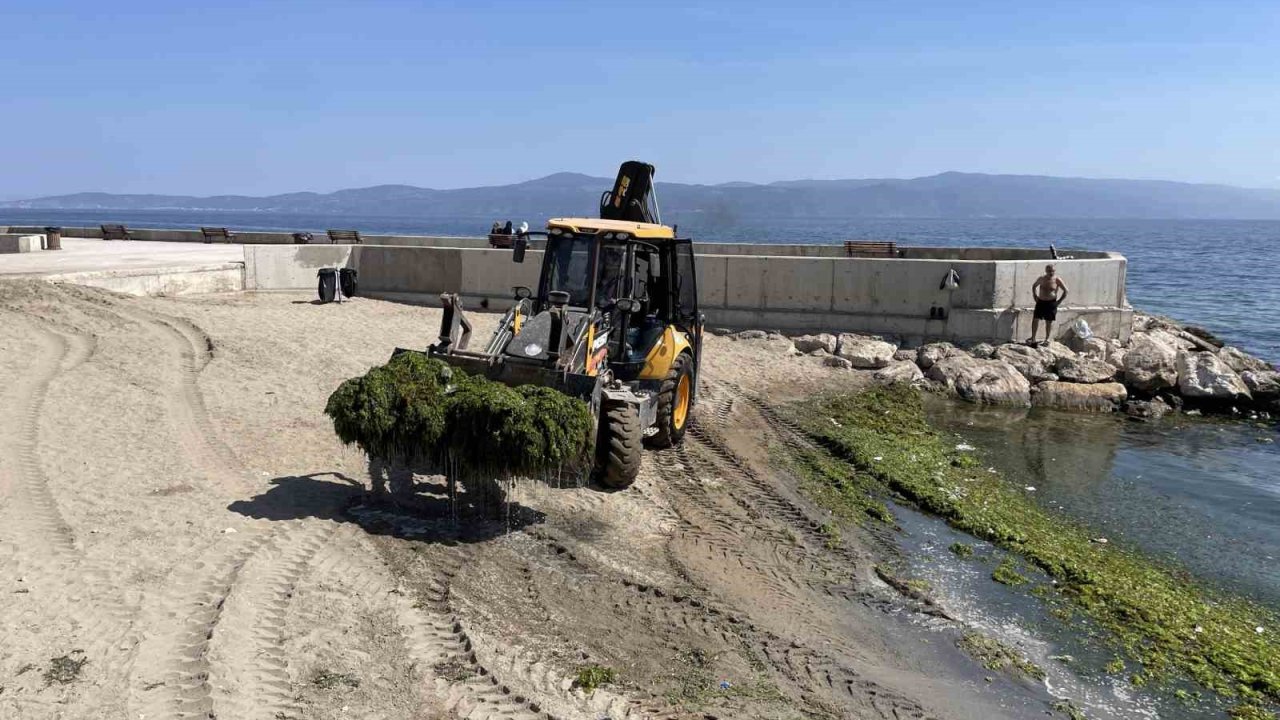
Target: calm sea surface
x=1220, y=274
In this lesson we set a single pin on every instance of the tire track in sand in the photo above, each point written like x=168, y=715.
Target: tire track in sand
x=175, y=674
x=435, y=636
x=171, y=677
x=60, y=586
x=246, y=643
x=33, y=516
x=823, y=680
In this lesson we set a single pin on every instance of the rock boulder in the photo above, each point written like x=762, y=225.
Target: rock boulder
x=1207, y=376
x=982, y=351
x=864, y=352
x=1151, y=364
x=821, y=341
x=1096, y=397
x=1084, y=369
x=1093, y=347
x=1239, y=360
x=899, y=372
x=836, y=361
x=927, y=355
x=1116, y=353
x=1146, y=409
x=1262, y=383
x=990, y=382
x=1171, y=337
x=1034, y=363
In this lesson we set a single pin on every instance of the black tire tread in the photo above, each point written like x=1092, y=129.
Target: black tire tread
x=622, y=440
x=667, y=434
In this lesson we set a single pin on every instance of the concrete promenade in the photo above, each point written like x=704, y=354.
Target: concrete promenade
x=792, y=288
x=81, y=255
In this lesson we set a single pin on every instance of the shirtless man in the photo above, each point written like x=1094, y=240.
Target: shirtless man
x=1045, y=291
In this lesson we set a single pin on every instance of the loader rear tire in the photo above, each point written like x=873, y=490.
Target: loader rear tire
x=675, y=399
x=619, y=444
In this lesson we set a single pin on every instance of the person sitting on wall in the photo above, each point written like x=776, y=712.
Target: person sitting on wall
x=506, y=229
x=1045, y=291
x=496, y=229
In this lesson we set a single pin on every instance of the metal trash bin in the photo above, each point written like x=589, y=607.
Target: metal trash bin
x=53, y=238
x=302, y=238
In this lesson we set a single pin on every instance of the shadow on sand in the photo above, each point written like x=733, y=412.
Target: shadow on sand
x=423, y=512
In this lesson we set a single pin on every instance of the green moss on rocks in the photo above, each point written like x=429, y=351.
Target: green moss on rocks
x=417, y=411
x=1156, y=615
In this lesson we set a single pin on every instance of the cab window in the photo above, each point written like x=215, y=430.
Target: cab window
x=570, y=267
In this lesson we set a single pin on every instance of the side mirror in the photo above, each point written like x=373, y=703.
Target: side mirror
x=522, y=292
x=627, y=305
x=518, y=247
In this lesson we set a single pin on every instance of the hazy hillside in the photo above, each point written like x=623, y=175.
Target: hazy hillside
x=949, y=195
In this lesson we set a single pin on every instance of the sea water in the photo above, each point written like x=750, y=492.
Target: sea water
x=1199, y=493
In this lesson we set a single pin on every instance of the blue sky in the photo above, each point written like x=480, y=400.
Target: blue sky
x=269, y=97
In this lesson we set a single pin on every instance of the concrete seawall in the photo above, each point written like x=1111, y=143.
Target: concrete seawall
x=803, y=290
x=794, y=288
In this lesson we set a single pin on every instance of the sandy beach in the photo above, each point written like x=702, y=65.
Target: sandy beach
x=182, y=535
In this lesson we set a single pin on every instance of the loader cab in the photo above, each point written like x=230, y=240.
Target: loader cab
x=639, y=281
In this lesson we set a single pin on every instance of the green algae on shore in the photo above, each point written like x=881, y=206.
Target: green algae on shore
x=995, y=655
x=417, y=411
x=1158, y=617
x=833, y=484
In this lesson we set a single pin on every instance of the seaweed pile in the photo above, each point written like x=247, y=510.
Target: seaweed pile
x=418, y=414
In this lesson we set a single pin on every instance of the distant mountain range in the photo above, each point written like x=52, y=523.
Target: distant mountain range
x=948, y=195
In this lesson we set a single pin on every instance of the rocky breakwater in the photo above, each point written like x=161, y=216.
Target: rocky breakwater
x=1165, y=367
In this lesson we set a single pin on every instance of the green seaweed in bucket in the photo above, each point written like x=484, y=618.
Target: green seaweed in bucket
x=417, y=411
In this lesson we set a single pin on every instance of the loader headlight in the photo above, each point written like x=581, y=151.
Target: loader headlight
x=623, y=236
x=608, y=236
x=555, y=231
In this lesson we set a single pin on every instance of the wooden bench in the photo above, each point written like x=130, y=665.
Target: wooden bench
x=345, y=237
x=212, y=234
x=115, y=232
x=857, y=248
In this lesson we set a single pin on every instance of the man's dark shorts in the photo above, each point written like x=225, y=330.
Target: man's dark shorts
x=1046, y=310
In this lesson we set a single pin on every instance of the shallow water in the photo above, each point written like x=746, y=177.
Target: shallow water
x=1015, y=618
x=1202, y=493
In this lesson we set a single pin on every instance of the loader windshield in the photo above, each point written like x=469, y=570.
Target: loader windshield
x=570, y=267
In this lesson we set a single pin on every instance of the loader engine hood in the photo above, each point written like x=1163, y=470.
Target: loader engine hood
x=535, y=334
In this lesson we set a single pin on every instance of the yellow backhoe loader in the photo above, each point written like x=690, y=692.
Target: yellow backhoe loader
x=614, y=321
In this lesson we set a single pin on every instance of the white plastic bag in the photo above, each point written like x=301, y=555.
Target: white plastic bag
x=1081, y=329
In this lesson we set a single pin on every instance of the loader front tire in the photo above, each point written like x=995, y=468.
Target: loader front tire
x=619, y=444
x=675, y=399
